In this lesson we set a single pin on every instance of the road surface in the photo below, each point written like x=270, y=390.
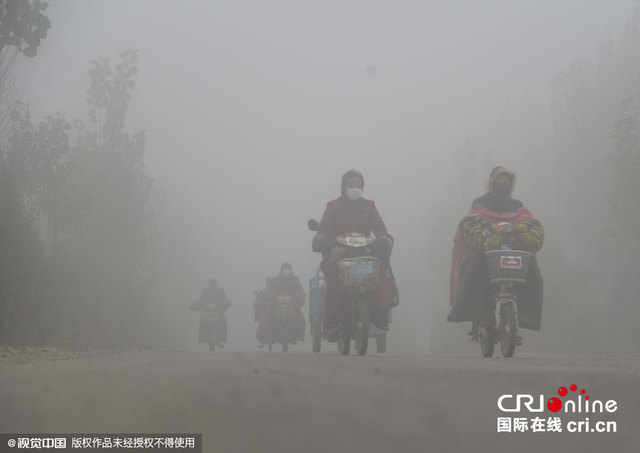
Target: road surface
x=302, y=402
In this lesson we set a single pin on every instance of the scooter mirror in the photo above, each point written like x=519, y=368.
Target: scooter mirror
x=313, y=224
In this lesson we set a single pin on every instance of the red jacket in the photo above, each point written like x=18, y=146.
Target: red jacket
x=343, y=216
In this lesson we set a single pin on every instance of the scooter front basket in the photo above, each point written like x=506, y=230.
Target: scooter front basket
x=360, y=273
x=210, y=316
x=508, y=265
x=284, y=310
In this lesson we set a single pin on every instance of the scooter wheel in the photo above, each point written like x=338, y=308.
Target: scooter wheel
x=508, y=330
x=487, y=340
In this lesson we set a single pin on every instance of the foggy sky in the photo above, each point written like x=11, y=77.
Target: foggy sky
x=254, y=109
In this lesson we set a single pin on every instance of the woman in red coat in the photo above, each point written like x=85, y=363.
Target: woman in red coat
x=348, y=213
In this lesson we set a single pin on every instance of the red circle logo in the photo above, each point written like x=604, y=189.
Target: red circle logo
x=554, y=404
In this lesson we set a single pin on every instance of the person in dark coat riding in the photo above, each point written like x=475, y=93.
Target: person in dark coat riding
x=211, y=297
x=286, y=283
x=350, y=213
x=470, y=295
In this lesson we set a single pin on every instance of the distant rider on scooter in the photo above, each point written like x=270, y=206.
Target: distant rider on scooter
x=285, y=284
x=213, y=300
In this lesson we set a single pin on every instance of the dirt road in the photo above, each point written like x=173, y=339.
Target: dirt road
x=303, y=402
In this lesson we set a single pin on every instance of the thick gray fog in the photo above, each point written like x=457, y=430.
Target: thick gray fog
x=253, y=110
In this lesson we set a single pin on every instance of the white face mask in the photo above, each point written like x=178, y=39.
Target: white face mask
x=286, y=271
x=353, y=193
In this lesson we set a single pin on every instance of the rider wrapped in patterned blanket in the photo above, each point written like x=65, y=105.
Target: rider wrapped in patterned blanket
x=470, y=291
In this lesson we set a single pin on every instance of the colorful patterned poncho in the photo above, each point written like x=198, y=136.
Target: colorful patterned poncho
x=480, y=230
x=477, y=233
